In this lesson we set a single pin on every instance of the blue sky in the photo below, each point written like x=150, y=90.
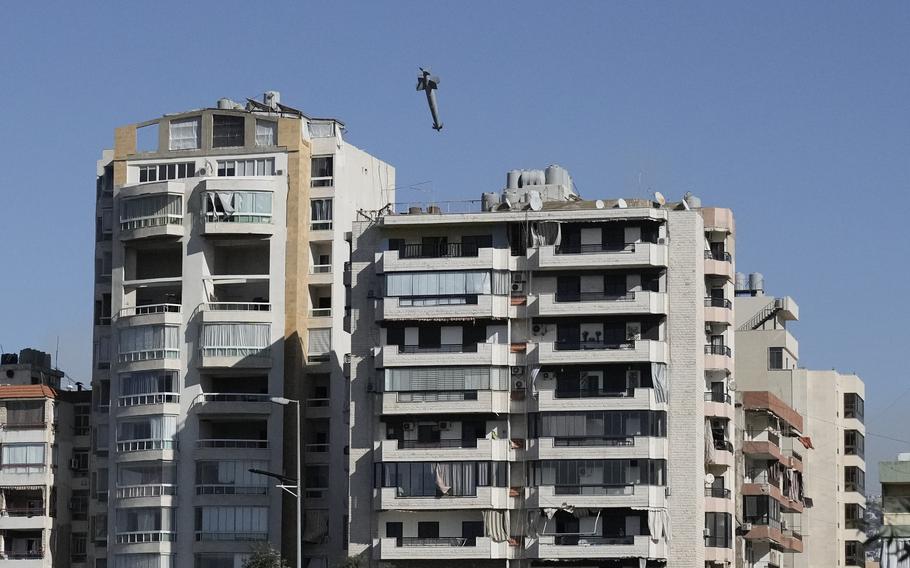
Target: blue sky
x=796, y=115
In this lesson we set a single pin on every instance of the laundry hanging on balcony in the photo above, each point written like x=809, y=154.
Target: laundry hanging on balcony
x=545, y=233
x=659, y=379
x=496, y=525
x=710, y=454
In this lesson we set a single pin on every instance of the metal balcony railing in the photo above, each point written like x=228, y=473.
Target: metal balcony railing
x=149, y=355
x=233, y=397
x=146, y=445
x=436, y=444
x=149, y=309
x=718, y=350
x=231, y=443
x=236, y=306
x=718, y=492
x=444, y=348
x=23, y=512
x=230, y=536
x=150, y=490
x=577, y=248
x=321, y=313
x=595, y=297
x=594, y=441
x=604, y=489
x=592, y=345
x=721, y=397
x=150, y=221
x=718, y=303
x=438, y=250
x=575, y=540
x=151, y=398
x=135, y=537
x=593, y=393
x=723, y=256
x=438, y=542
x=321, y=269
x=227, y=489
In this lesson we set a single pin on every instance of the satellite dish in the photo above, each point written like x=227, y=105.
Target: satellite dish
x=659, y=197
x=621, y=203
x=599, y=204
x=685, y=205
x=536, y=201
x=709, y=479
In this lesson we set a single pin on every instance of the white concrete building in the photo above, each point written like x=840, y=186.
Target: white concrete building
x=542, y=379
x=803, y=444
x=219, y=251
x=43, y=465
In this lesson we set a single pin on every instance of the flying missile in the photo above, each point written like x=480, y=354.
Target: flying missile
x=429, y=84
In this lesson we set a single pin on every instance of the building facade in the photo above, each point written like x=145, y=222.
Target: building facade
x=43, y=465
x=542, y=379
x=219, y=247
x=895, y=531
x=802, y=451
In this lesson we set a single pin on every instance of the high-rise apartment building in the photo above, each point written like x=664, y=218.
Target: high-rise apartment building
x=803, y=470
x=220, y=242
x=541, y=379
x=43, y=465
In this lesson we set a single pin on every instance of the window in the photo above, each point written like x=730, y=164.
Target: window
x=151, y=433
x=427, y=529
x=444, y=288
x=266, y=133
x=232, y=523
x=854, y=513
x=321, y=129
x=144, y=342
x=79, y=464
x=22, y=458
x=227, y=131
x=854, y=479
x=597, y=428
x=597, y=477
x=761, y=510
x=81, y=419
x=316, y=480
x=144, y=520
x=717, y=530
x=151, y=211
x=854, y=443
x=775, y=358
x=246, y=168
x=320, y=343
x=238, y=207
x=24, y=414
x=150, y=479
x=79, y=504
x=394, y=530
x=451, y=379
x=854, y=553
x=147, y=138
x=235, y=339
x=435, y=479
x=164, y=172
x=135, y=387
x=322, y=174
x=184, y=134
x=321, y=214
x=231, y=477
x=854, y=406
x=77, y=547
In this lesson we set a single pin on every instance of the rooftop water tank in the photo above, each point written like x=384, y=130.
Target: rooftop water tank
x=225, y=104
x=757, y=282
x=693, y=201
x=741, y=283
x=556, y=175
x=490, y=201
x=512, y=179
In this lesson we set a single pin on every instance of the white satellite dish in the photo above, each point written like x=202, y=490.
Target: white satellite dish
x=659, y=197
x=599, y=204
x=536, y=201
x=621, y=203
x=709, y=479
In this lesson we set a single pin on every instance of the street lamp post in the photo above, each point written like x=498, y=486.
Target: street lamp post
x=284, y=402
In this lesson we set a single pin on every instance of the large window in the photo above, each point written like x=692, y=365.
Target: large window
x=144, y=560
x=854, y=480
x=854, y=443
x=227, y=131
x=232, y=523
x=144, y=342
x=144, y=524
x=718, y=530
x=423, y=379
x=597, y=477
x=238, y=206
x=854, y=553
x=433, y=479
x=761, y=510
x=444, y=288
x=137, y=474
x=24, y=414
x=775, y=358
x=151, y=211
x=22, y=458
x=235, y=339
x=598, y=428
x=231, y=477
x=164, y=172
x=246, y=168
x=149, y=433
x=184, y=134
x=854, y=515
x=854, y=406
x=266, y=133
x=220, y=559
x=143, y=387
x=319, y=343
x=321, y=214
x=323, y=171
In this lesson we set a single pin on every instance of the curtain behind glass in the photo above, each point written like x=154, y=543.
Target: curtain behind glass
x=266, y=132
x=184, y=134
x=149, y=338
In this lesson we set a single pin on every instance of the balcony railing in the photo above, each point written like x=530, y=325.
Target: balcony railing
x=225, y=489
x=321, y=313
x=237, y=217
x=233, y=397
x=595, y=297
x=230, y=536
x=718, y=492
x=443, y=250
x=231, y=443
x=321, y=225
x=146, y=445
x=721, y=397
x=145, y=536
x=596, y=441
x=151, y=490
x=444, y=348
x=723, y=256
x=596, y=248
x=718, y=303
x=24, y=425
x=723, y=445
x=575, y=540
x=151, y=398
x=436, y=444
x=23, y=555
x=763, y=435
x=321, y=269
x=149, y=355
x=594, y=393
x=257, y=352
x=718, y=350
x=236, y=307
x=606, y=489
x=592, y=345
x=149, y=309
x=150, y=221
x=436, y=396
x=23, y=512
x=439, y=542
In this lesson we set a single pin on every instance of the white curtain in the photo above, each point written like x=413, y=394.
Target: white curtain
x=439, y=283
x=446, y=378
x=150, y=206
x=225, y=199
x=266, y=131
x=710, y=455
x=659, y=378
x=148, y=382
x=184, y=134
x=144, y=560
x=139, y=474
x=236, y=339
x=321, y=129
x=145, y=519
x=149, y=338
x=151, y=428
x=248, y=520
x=321, y=210
x=894, y=553
x=659, y=525
x=319, y=341
x=496, y=525
x=22, y=454
x=315, y=525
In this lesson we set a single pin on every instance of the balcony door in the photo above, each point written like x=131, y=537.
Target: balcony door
x=471, y=431
x=434, y=247
x=568, y=288
x=568, y=335
x=567, y=524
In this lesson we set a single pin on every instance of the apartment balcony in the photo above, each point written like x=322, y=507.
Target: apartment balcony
x=22, y=549
x=443, y=450
x=388, y=499
x=241, y=312
x=596, y=496
x=762, y=444
x=719, y=405
x=720, y=265
x=719, y=500
x=321, y=274
x=321, y=230
x=233, y=403
x=235, y=357
x=160, y=493
x=443, y=548
x=723, y=454
x=444, y=402
x=788, y=540
x=721, y=555
x=24, y=509
x=486, y=354
x=596, y=448
x=718, y=219
x=238, y=223
x=599, y=303
x=148, y=403
x=478, y=306
x=452, y=256
x=143, y=537
x=146, y=449
x=718, y=358
x=551, y=399
x=152, y=210
x=630, y=255
x=150, y=314
x=637, y=351
x=719, y=310
x=554, y=547
x=762, y=485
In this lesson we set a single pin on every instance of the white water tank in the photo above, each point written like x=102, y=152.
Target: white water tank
x=757, y=282
x=512, y=179
x=741, y=283
x=693, y=201
x=271, y=98
x=490, y=201
x=225, y=104
x=556, y=175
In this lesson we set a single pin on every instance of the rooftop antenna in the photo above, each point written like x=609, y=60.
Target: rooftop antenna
x=429, y=84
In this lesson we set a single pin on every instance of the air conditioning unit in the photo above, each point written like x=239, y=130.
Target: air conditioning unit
x=548, y=375
x=517, y=371
x=707, y=532
x=445, y=425
x=538, y=329
x=746, y=527
x=518, y=287
x=407, y=426
x=518, y=384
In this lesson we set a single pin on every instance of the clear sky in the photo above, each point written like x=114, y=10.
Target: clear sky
x=794, y=114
